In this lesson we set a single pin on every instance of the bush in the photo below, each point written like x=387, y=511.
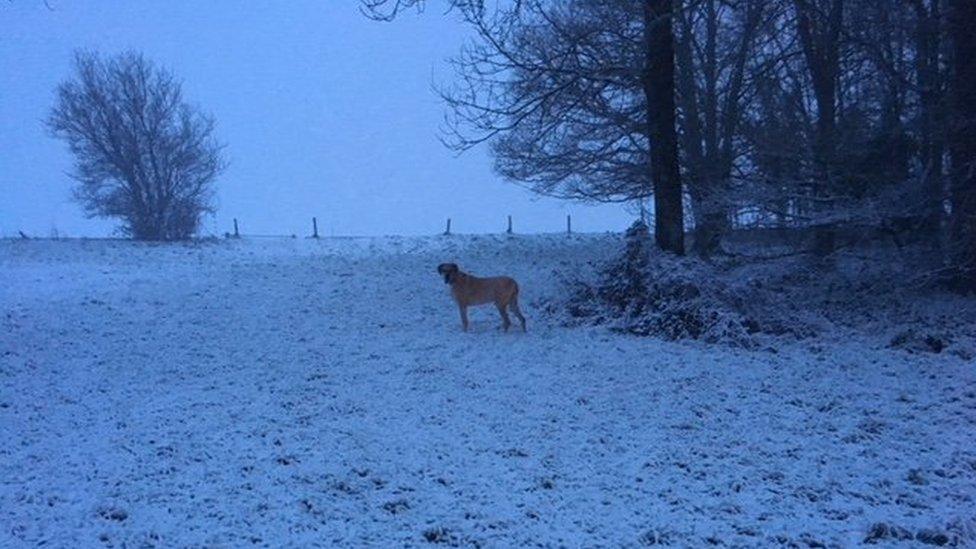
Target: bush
x=650, y=293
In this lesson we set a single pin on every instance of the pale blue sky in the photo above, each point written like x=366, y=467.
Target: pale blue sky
x=324, y=113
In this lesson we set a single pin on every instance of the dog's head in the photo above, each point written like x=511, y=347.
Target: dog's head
x=449, y=271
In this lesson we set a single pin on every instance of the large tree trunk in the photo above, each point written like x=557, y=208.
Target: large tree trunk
x=931, y=146
x=658, y=82
x=819, y=28
x=963, y=143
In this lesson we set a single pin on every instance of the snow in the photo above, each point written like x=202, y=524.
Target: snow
x=300, y=392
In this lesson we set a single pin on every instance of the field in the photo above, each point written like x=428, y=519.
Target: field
x=299, y=392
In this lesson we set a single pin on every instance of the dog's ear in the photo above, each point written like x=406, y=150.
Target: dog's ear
x=447, y=270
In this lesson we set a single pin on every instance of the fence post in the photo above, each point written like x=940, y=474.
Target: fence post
x=569, y=224
x=237, y=233
x=509, y=231
x=448, y=230
x=315, y=228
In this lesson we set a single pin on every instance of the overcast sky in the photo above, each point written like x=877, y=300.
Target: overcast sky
x=324, y=113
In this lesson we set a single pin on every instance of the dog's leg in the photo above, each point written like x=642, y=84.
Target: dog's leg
x=464, y=317
x=514, y=306
x=501, y=310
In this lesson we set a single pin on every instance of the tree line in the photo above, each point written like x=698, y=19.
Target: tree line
x=827, y=115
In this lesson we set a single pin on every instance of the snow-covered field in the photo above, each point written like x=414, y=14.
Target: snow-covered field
x=303, y=393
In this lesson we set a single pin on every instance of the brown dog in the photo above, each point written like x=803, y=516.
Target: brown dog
x=471, y=290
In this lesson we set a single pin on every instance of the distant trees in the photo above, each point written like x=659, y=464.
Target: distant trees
x=142, y=154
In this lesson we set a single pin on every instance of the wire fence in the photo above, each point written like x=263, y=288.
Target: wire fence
x=510, y=229
x=238, y=232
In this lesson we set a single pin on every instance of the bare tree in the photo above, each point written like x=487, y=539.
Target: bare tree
x=142, y=154
x=575, y=98
x=819, y=25
x=556, y=89
x=715, y=43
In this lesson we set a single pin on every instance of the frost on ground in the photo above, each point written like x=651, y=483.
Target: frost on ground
x=306, y=393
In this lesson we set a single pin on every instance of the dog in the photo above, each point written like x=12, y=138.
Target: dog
x=469, y=290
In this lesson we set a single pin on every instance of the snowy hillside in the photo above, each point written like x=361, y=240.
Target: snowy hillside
x=299, y=392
